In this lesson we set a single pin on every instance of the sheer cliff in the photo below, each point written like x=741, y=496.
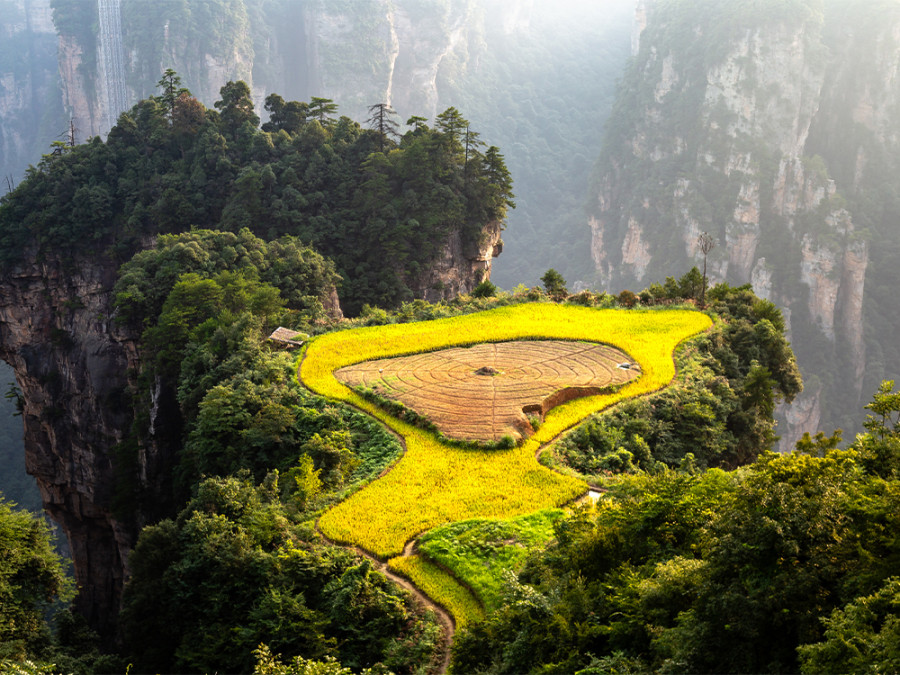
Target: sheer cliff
x=355, y=53
x=30, y=107
x=537, y=77
x=72, y=365
x=773, y=128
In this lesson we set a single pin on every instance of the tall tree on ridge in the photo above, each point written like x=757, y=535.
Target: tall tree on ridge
x=236, y=106
x=321, y=108
x=170, y=83
x=706, y=244
x=470, y=142
x=381, y=119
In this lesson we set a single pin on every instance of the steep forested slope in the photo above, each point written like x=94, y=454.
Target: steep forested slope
x=535, y=78
x=384, y=208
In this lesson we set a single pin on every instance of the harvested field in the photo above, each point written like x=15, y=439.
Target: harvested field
x=487, y=391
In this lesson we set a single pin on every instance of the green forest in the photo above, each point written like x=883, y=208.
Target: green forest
x=783, y=562
x=381, y=205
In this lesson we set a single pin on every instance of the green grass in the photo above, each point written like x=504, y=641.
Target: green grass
x=480, y=552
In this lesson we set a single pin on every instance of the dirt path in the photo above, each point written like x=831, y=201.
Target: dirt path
x=443, y=616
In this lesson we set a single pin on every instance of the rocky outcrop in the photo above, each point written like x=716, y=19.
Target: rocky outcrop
x=746, y=132
x=462, y=264
x=71, y=364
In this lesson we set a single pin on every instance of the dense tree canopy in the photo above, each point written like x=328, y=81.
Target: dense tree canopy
x=232, y=571
x=32, y=577
x=379, y=204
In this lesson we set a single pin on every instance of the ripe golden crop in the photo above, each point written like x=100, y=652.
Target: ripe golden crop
x=435, y=483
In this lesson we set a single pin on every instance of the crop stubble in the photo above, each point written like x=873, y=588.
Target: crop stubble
x=486, y=391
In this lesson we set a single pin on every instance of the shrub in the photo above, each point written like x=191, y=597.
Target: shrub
x=484, y=290
x=535, y=293
x=585, y=298
x=555, y=284
x=627, y=298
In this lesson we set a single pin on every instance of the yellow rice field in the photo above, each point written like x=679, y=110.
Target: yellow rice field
x=435, y=483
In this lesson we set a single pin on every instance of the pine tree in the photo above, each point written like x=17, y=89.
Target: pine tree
x=381, y=119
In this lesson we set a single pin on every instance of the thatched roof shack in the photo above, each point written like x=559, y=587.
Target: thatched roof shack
x=289, y=338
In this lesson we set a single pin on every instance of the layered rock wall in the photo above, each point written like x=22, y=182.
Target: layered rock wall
x=746, y=131
x=296, y=51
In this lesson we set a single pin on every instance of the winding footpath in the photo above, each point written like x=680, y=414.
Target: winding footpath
x=448, y=625
x=445, y=619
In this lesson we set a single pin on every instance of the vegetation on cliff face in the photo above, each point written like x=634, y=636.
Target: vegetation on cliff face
x=188, y=34
x=30, y=105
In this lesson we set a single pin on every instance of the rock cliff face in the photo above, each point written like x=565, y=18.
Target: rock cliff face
x=724, y=124
x=28, y=82
x=84, y=107
x=72, y=366
x=298, y=50
x=460, y=266
x=78, y=371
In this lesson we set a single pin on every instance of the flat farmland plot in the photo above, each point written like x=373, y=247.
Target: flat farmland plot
x=435, y=483
x=487, y=391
